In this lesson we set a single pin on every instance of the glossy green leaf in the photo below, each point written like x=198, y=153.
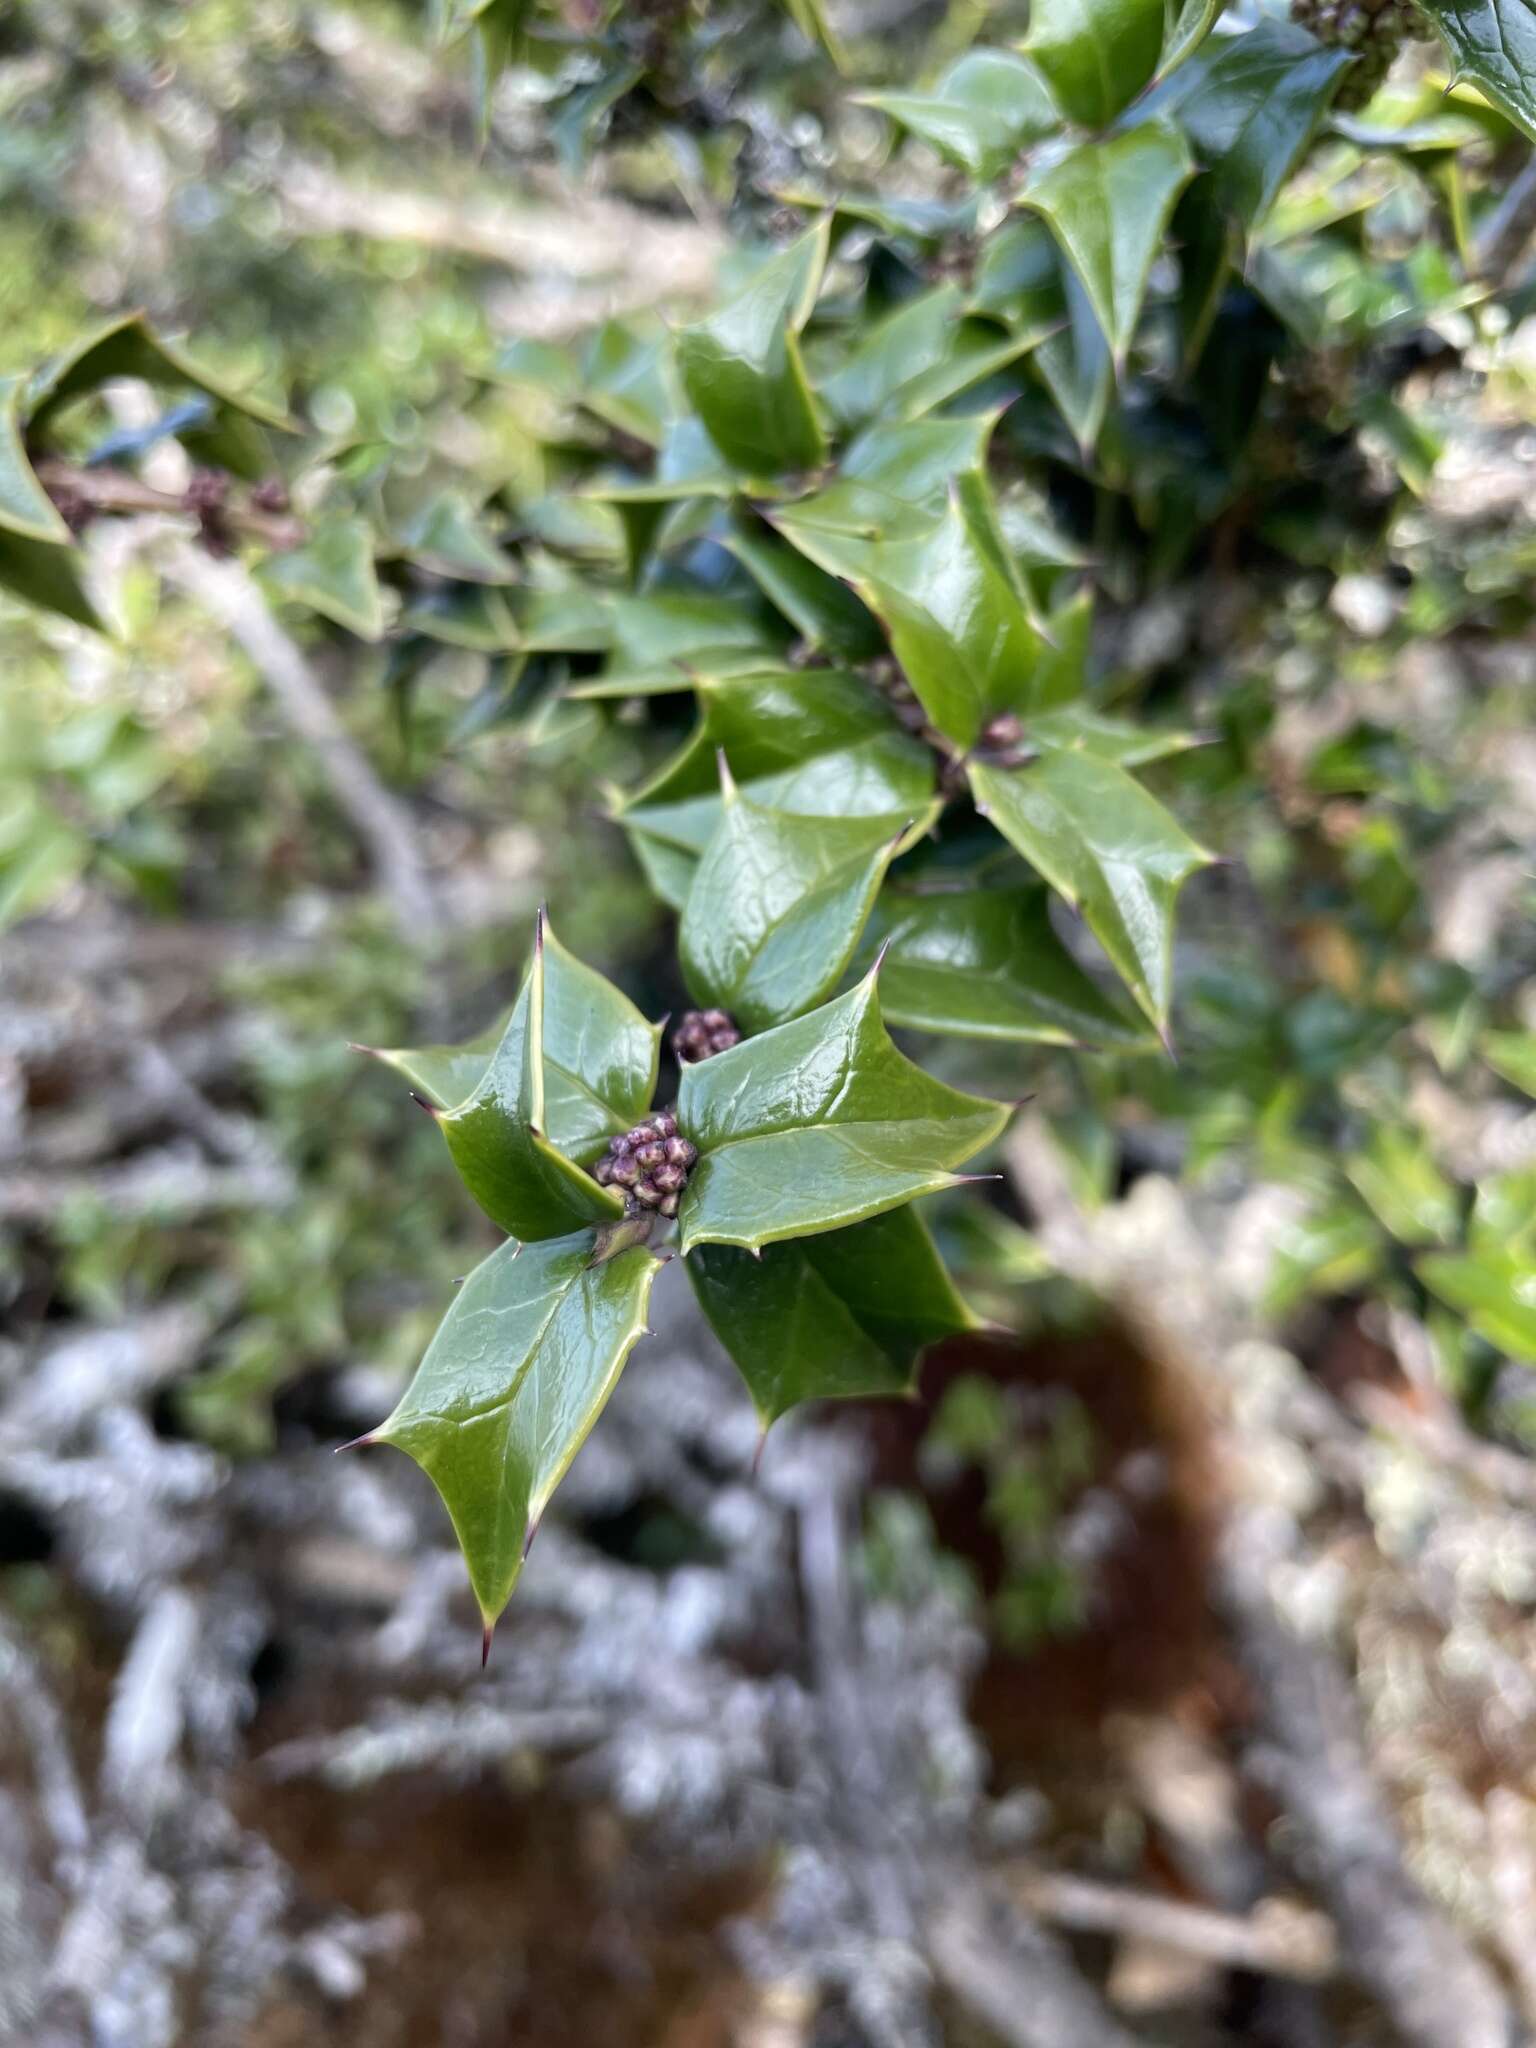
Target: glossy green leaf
x=1075, y=364
x=1107, y=204
x=626, y=377
x=824, y=612
x=1192, y=22
x=833, y=1317
x=1396, y=1178
x=817, y=1124
x=985, y=109
x=25, y=507
x=816, y=743
x=1494, y=1289
x=985, y=963
x=448, y=537
x=956, y=619
x=47, y=574
x=129, y=347
x=1109, y=849
x=526, y=1356
x=1250, y=104
x=444, y=1075
x=1493, y=43
x=1080, y=729
x=575, y=1064
x=333, y=574
x=1095, y=55
x=742, y=371
x=777, y=905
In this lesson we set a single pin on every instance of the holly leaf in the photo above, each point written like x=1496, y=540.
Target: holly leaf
x=985, y=963
x=777, y=905
x=742, y=371
x=1107, y=204
x=1110, y=850
x=567, y=1074
x=1096, y=55
x=817, y=743
x=823, y=611
x=833, y=1317
x=1250, y=104
x=1493, y=42
x=234, y=436
x=957, y=617
x=985, y=109
x=333, y=574
x=516, y=1376
x=25, y=507
x=818, y=1124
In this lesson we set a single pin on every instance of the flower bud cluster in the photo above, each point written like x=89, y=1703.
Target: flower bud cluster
x=1375, y=30
x=650, y=1164
x=701, y=1032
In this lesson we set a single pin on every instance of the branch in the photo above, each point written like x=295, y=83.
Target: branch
x=1276, y=1939
x=226, y=590
x=112, y=490
x=1509, y=228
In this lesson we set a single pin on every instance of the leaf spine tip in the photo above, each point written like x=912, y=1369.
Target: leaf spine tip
x=532, y=1531
x=356, y=1443
x=486, y=1635
x=421, y=1102
x=759, y=1448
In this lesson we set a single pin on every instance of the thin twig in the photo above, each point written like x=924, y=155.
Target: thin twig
x=113, y=490
x=227, y=591
x=1276, y=1939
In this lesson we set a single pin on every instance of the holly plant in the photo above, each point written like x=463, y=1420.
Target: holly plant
x=1090, y=324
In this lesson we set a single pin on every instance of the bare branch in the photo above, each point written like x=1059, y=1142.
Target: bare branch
x=228, y=592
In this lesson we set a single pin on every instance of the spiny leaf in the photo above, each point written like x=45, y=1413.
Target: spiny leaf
x=1096, y=55
x=1111, y=850
x=985, y=963
x=129, y=347
x=985, y=109
x=777, y=905
x=823, y=611
x=503, y=1138
x=600, y=1056
x=832, y=1317
x=1250, y=105
x=1108, y=204
x=817, y=743
x=818, y=1124
x=1493, y=42
x=333, y=574
x=25, y=507
x=742, y=371
x=526, y=1356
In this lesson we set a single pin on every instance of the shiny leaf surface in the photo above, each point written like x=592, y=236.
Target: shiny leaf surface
x=985, y=109
x=742, y=370
x=1109, y=849
x=832, y=1317
x=817, y=1124
x=1095, y=55
x=526, y=1356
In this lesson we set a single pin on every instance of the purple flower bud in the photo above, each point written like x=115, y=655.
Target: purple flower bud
x=714, y=1020
x=724, y=1039
x=668, y=1205
x=681, y=1152
x=651, y=1154
x=647, y=1191
x=640, y=1135
x=665, y=1122
x=602, y=1173
x=618, y=1146
x=624, y=1172
x=670, y=1179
